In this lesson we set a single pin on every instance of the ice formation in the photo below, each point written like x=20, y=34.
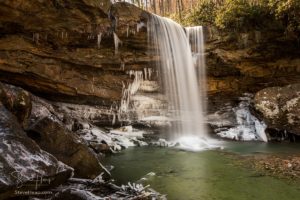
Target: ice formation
x=248, y=127
x=99, y=38
x=117, y=42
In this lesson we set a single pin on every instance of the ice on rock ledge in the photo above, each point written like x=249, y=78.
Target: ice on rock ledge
x=127, y=131
x=159, y=121
x=248, y=127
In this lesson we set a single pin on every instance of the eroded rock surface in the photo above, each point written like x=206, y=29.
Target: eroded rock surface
x=250, y=61
x=280, y=107
x=73, y=51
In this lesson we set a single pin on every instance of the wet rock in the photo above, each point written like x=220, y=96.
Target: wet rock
x=100, y=147
x=17, y=101
x=22, y=162
x=51, y=135
x=280, y=107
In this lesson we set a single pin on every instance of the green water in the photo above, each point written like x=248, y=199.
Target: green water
x=207, y=175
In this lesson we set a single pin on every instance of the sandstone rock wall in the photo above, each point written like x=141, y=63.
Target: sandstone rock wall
x=65, y=50
x=248, y=62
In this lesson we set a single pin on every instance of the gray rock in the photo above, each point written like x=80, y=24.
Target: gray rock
x=22, y=161
x=280, y=107
x=52, y=136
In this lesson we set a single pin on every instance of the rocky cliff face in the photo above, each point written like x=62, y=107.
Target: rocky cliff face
x=72, y=51
x=239, y=63
x=250, y=61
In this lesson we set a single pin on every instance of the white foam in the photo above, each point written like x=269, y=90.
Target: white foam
x=192, y=143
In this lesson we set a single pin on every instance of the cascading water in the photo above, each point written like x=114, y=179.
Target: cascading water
x=180, y=78
x=196, y=38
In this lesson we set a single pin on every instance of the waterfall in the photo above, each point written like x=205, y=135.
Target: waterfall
x=196, y=38
x=180, y=74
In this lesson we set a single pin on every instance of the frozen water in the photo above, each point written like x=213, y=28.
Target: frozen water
x=248, y=127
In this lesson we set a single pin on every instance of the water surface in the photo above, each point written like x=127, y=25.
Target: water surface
x=207, y=175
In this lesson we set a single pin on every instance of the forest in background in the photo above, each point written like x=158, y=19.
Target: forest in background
x=231, y=15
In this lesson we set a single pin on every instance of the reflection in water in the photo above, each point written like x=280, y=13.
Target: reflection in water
x=206, y=175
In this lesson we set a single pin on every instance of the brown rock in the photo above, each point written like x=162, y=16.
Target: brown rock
x=251, y=61
x=55, y=53
x=100, y=147
x=17, y=101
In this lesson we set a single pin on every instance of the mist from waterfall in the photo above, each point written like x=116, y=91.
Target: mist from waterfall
x=180, y=69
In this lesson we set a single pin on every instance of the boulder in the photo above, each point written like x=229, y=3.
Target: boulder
x=53, y=136
x=22, y=162
x=280, y=107
x=17, y=101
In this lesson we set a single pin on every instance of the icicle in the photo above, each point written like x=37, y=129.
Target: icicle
x=117, y=42
x=131, y=89
x=146, y=73
x=93, y=87
x=36, y=37
x=122, y=66
x=149, y=73
x=114, y=119
x=139, y=26
x=138, y=78
x=99, y=38
x=127, y=30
